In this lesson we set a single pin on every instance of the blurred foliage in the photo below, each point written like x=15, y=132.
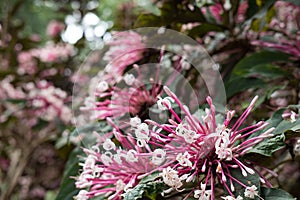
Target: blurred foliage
x=247, y=69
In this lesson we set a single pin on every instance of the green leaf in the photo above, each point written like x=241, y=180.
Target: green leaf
x=87, y=131
x=145, y=20
x=67, y=188
x=259, y=58
x=252, y=9
x=268, y=146
x=171, y=14
x=150, y=189
x=292, y=134
x=296, y=2
x=239, y=84
x=284, y=130
x=150, y=177
x=252, y=71
x=275, y=194
x=267, y=71
x=259, y=15
x=204, y=28
x=15, y=101
x=249, y=180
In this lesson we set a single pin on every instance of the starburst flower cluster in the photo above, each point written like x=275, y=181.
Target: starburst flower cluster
x=286, y=37
x=43, y=101
x=199, y=150
x=50, y=53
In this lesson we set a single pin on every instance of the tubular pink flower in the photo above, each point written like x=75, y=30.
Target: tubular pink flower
x=214, y=147
x=187, y=149
x=126, y=48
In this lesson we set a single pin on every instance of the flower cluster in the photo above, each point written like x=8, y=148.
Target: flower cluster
x=188, y=149
x=42, y=100
x=286, y=27
x=51, y=53
x=54, y=28
x=125, y=49
x=47, y=101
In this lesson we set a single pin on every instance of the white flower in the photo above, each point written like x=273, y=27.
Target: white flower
x=232, y=198
x=102, y=86
x=224, y=152
x=202, y=194
x=223, y=136
x=97, y=171
x=82, y=195
x=82, y=181
x=183, y=159
x=189, y=135
x=170, y=177
x=89, y=162
x=109, y=145
x=106, y=158
x=131, y=156
x=293, y=117
x=227, y=5
x=251, y=192
x=158, y=156
x=120, y=185
x=89, y=102
x=129, y=79
x=142, y=133
x=118, y=155
x=161, y=103
x=180, y=130
x=297, y=147
x=135, y=121
x=38, y=103
x=161, y=30
x=185, y=65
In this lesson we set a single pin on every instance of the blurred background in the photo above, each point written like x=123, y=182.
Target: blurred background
x=44, y=42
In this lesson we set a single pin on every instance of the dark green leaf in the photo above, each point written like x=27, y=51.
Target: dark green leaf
x=284, y=129
x=259, y=14
x=240, y=84
x=275, y=194
x=151, y=190
x=150, y=177
x=270, y=145
x=296, y=2
x=15, y=101
x=87, y=131
x=204, y=28
x=249, y=180
x=292, y=134
x=252, y=9
x=267, y=71
x=67, y=188
x=259, y=58
x=145, y=20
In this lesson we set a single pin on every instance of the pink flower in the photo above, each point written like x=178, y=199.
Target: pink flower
x=211, y=147
x=48, y=102
x=125, y=49
x=53, y=52
x=241, y=13
x=285, y=30
x=285, y=46
x=110, y=171
x=184, y=150
x=27, y=63
x=216, y=11
x=123, y=96
x=54, y=28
